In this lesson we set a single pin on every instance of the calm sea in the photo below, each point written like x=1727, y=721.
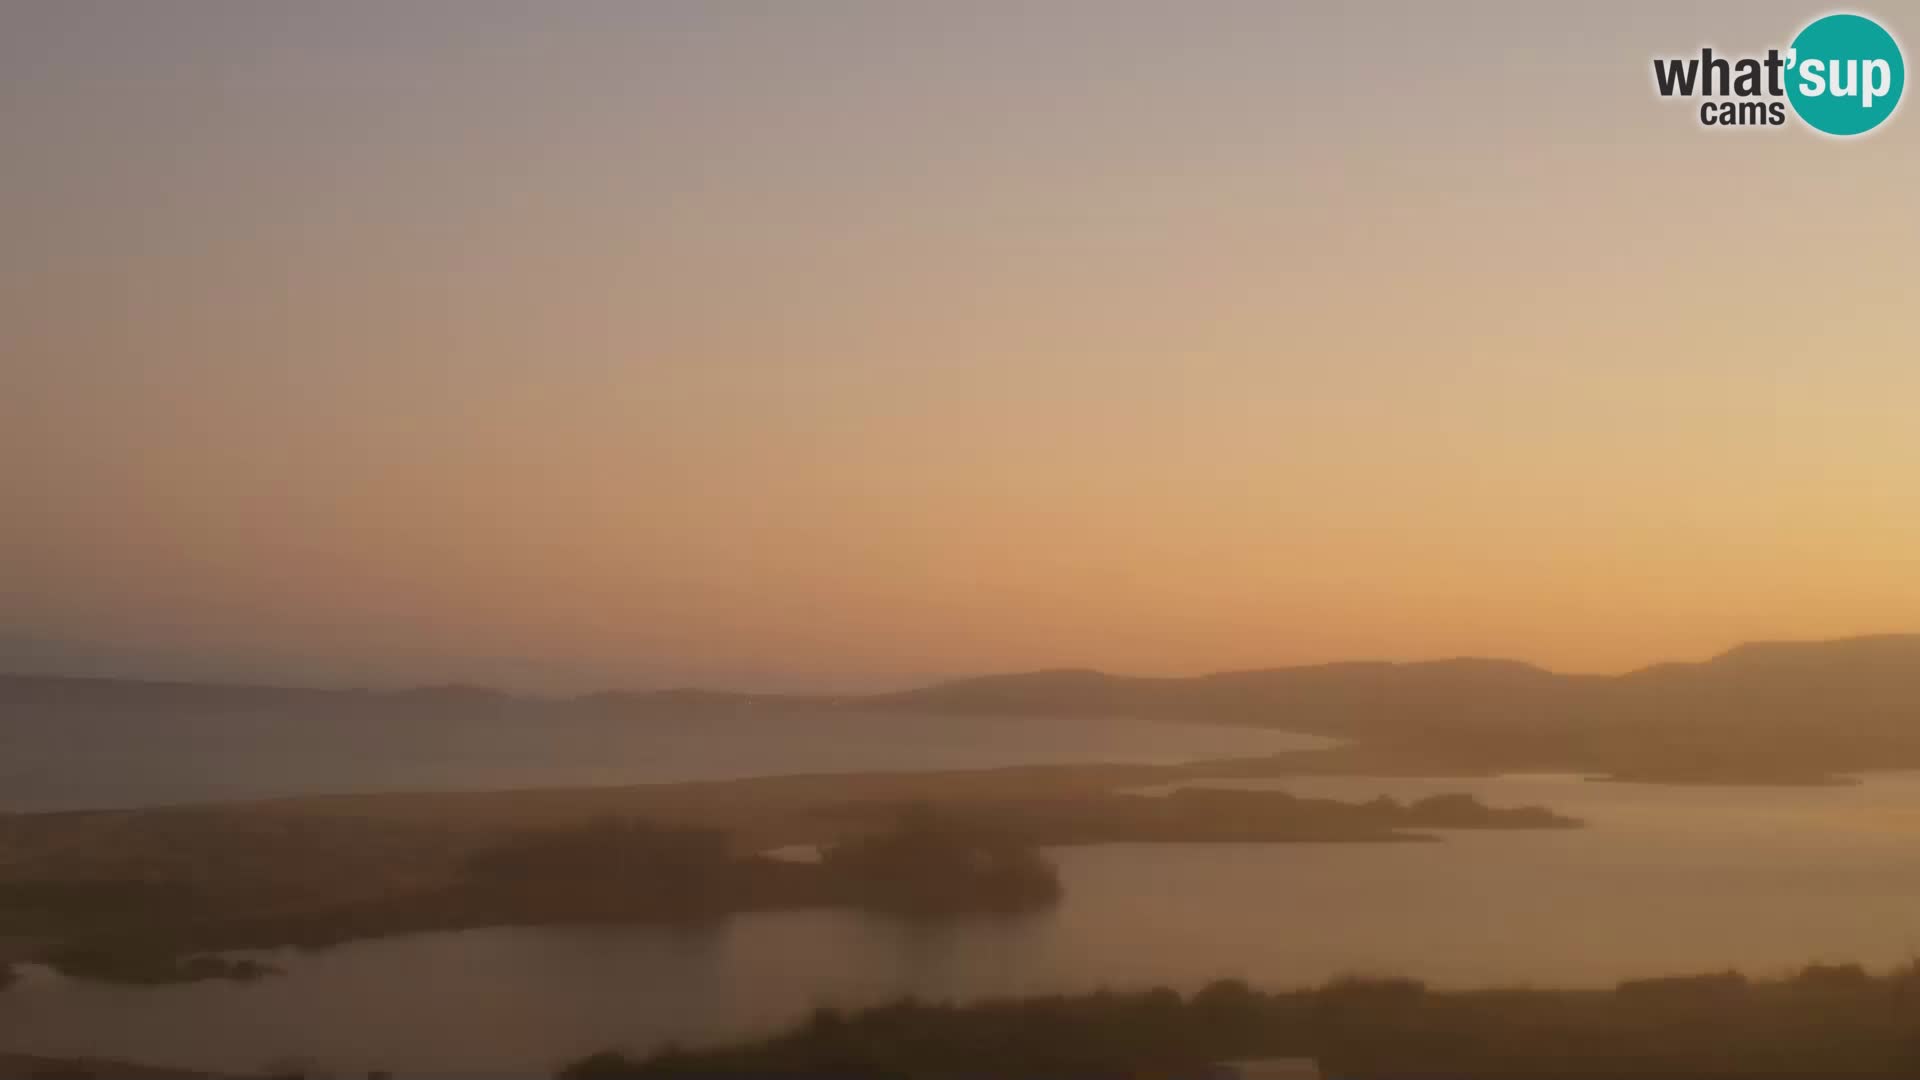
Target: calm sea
x=68, y=759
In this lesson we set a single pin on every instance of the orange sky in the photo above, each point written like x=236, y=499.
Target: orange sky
x=842, y=347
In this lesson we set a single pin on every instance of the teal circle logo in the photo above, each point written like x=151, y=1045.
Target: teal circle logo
x=1845, y=74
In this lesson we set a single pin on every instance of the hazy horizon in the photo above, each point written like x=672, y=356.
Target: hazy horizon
x=851, y=347
x=23, y=655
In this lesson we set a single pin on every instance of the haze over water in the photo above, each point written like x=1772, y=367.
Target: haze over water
x=81, y=760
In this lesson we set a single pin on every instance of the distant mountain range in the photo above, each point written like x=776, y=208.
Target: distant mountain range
x=1869, y=679
x=1775, y=707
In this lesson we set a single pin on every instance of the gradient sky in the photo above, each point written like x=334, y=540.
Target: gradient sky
x=842, y=345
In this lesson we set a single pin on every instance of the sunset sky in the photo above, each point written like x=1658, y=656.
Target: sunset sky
x=831, y=345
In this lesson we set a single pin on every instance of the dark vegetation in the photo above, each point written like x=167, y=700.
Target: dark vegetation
x=607, y=871
x=149, y=960
x=914, y=870
x=1827, y=1022
x=100, y=925
x=155, y=896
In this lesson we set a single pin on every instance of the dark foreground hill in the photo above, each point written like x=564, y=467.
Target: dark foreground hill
x=1825, y=1022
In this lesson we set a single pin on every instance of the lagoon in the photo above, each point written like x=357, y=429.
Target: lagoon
x=1664, y=880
